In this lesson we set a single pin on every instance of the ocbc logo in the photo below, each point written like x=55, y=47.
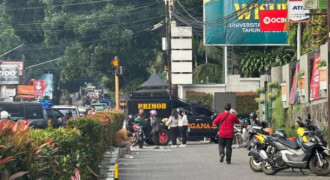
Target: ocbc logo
x=268, y=20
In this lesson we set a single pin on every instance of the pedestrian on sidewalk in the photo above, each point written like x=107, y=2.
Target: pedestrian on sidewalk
x=183, y=125
x=174, y=129
x=122, y=140
x=154, y=121
x=226, y=121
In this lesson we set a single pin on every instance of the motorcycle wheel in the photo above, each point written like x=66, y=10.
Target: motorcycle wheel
x=315, y=167
x=268, y=169
x=254, y=165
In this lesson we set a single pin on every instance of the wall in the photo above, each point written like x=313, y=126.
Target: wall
x=235, y=84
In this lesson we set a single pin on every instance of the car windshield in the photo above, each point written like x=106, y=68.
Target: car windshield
x=65, y=111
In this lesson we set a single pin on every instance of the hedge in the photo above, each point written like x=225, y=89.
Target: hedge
x=201, y=97
x=57, y=153
x=245, y=103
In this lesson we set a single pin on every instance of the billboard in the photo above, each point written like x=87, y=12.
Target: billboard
x=273, y=20
x=47, y=85
x=9, y=74
x=297, y=12
x=236, y=22
x=20, y=65
x=38, y=87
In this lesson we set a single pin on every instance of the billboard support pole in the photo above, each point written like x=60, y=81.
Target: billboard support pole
x=298, y=41
x=225, y=59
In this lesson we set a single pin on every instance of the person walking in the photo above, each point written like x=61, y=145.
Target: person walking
x=173, y=122
x=226, y=121
x=183, y=125
x=154, y=121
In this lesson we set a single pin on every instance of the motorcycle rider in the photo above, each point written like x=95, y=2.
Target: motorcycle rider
x=226, y=121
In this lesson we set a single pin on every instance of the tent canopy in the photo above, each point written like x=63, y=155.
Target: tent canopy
x=154, y=81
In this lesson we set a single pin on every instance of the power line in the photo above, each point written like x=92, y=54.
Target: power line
x=72, y=4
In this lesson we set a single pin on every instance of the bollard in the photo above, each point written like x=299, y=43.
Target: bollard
x=116, y=171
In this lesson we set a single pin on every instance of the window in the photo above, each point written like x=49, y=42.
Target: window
x=15, y=110
x=34, y=112
x=203, y=112
x=73, y=111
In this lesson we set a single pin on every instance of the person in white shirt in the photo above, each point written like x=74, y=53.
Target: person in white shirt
x=183, y=125
x=174, y=129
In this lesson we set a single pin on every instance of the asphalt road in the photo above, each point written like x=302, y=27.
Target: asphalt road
x=195, y=162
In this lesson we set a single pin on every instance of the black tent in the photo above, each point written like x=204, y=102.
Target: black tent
x=154, y=81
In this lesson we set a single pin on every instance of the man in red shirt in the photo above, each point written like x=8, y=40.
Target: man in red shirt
x=226, y=120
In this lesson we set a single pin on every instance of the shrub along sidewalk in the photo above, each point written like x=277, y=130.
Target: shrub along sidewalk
x=57, y=153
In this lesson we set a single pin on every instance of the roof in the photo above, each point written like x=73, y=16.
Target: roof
x=154, y=81
x=64, y=107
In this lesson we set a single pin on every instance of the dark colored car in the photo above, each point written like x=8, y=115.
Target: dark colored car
x=200, y=117
x=106, y=99
x=29, y=111
x=56, y=117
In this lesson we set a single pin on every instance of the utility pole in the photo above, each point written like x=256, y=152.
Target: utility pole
x=168, y=39
x=116, y=67
x=169, y=6
x=328, y=13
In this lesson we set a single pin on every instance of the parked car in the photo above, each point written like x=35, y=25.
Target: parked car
x=99, y=106
x=56, y=117
x=64, y=109
x=30, y=111
x=106, y=99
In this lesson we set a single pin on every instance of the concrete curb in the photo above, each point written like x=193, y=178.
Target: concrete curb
x=108, y=165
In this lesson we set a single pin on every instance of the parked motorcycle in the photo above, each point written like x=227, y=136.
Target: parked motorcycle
x=138, y=135
x=283, y=154
x=256, y=142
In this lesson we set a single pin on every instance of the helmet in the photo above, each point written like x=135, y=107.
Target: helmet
x=4, y=115
x=153, y=113
x=253, y=115
x=280, y=133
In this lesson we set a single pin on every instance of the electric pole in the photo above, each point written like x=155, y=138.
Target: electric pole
x=168, y=39
x=328, y=14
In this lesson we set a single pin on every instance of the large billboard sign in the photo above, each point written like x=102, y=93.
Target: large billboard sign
x=9, y=74
x=236, y=22
x=47, y=85
x=20, y=65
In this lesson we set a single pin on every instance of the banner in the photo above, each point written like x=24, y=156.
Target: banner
x=48, y=85
x=38, y=87
x=315, y=81
x=310, y=4
x=273, y=20
x=297, y=12
x=283, y=92
x=9, y=74
x=25, y=90
x=236, y=22
x=294, y=90
x=20, y=65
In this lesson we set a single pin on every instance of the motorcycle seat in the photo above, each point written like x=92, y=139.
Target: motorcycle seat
x=288, y=143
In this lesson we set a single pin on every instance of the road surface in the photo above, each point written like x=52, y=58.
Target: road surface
x=195, y=162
